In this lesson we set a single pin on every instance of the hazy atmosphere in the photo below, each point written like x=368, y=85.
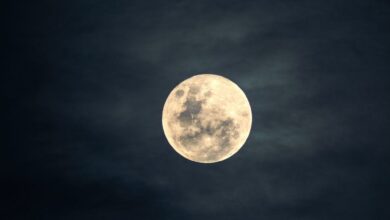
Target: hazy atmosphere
x=84, y=84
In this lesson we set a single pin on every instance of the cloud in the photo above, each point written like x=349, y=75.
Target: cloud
x=93, y=146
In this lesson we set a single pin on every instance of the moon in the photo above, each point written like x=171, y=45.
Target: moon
x=207, y=118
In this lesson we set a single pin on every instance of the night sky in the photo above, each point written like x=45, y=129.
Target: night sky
x=84, y=82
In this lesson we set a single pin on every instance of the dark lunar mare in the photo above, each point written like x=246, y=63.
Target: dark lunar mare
x=224, y=129
x=192, y=108
x=179, y=93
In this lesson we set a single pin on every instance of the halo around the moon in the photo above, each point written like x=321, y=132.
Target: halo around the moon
x=207, y=118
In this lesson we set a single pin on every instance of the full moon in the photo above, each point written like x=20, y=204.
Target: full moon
x=207, y=118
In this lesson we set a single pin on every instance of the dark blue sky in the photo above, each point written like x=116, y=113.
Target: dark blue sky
x=84, y=83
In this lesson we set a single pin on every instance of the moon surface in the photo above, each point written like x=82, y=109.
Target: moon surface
x=207, y=118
